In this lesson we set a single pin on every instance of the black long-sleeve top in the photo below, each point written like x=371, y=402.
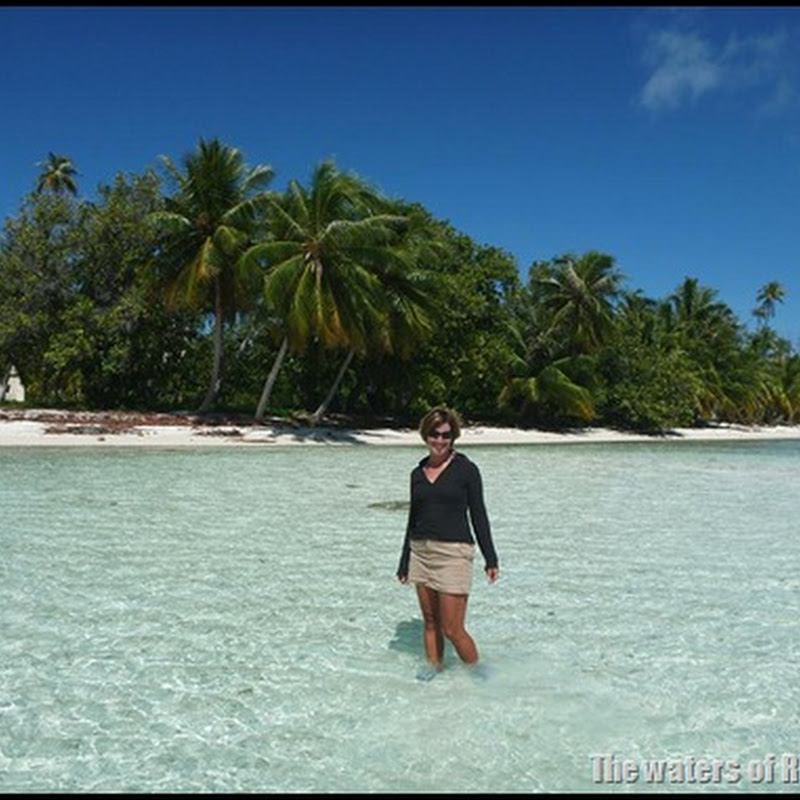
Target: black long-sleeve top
x=439, y=510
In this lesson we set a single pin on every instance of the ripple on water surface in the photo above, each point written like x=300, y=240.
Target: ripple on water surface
x=228, y=621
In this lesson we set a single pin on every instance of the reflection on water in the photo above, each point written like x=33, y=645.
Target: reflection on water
x=214, y=621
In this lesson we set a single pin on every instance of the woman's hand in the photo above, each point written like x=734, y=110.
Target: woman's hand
x=402, y=578
x=492, y=574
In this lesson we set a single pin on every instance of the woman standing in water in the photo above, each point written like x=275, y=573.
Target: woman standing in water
x=439, y=548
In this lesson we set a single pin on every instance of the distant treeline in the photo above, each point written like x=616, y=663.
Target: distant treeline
x=199, y=288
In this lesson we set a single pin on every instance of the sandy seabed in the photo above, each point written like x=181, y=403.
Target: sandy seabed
x=44, y=427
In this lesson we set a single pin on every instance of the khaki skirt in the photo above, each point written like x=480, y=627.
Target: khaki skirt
x=443, y=566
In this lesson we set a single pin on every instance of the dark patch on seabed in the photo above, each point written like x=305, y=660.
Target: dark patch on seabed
x=407, y=636
x=390, y=505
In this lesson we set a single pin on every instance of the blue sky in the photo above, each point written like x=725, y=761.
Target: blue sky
x=667, y=137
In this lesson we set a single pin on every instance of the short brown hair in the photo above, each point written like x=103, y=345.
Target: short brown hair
x=438, y=416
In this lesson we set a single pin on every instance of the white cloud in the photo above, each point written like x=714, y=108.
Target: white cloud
x=686, y=66
x=683, y=67
x=752, y=61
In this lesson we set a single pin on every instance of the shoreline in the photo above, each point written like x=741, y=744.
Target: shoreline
x=56, y=428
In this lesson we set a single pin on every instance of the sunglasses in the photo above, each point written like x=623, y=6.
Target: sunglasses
x=440, y=435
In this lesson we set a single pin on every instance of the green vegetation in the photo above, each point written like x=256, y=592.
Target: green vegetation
x=201, y=289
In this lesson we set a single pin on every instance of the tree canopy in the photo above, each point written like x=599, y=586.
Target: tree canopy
x=331, y=296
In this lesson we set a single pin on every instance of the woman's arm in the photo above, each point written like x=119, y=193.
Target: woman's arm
x=405, y=553
x=480, y=520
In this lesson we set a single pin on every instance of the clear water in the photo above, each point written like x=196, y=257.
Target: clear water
x=213, y=620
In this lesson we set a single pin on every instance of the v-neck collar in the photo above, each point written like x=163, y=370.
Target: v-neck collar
x=440, y=473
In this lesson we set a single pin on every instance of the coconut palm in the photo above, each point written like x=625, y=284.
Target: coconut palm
x=696, y=307
x=768, y=296
x=57, y=176
x=708, y=331
x=541, y=385
x=214, y=215
x=336, y=271
x=703, y=325
x=408, y=297
x=408, y=302
x=551, y=394
x=577, y=297
x=567, y=317
x=790, y=378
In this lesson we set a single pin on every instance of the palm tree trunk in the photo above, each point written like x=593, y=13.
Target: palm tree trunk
x=335, y=388
x=216, y=370
x=270, y=382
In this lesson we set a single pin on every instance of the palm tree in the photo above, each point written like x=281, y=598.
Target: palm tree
x=57, y=176
x=336, y=271
x=551, y=394
x=768, y=296
x=577, y=297
x=568, y=315
x=707, y=330
x=704, y=325
x=695, y=311
x=408, y=298
x=542, y=385
x=408, y=310
x=215, y=214
x=790, y=379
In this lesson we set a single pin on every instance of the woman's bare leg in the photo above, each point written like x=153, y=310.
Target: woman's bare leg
x=433, y=638
x=452, y=613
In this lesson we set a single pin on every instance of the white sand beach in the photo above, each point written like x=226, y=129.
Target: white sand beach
x=54, y=428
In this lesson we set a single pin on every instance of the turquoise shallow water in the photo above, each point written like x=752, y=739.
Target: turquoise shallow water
x=215, y=620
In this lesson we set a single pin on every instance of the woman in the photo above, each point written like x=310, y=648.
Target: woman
x=438, y=550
